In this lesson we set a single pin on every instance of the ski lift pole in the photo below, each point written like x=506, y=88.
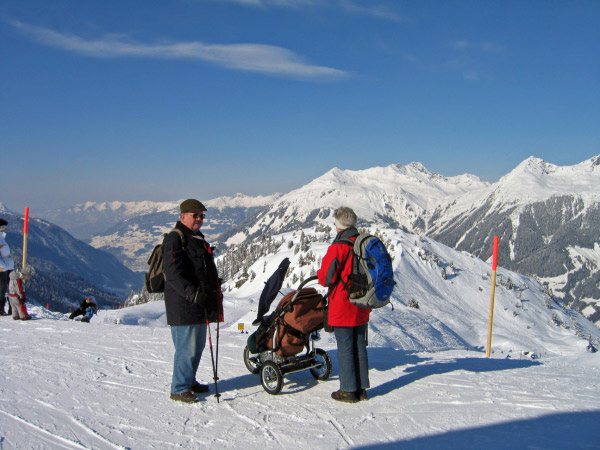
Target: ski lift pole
x=494, y=265
x=25, y=223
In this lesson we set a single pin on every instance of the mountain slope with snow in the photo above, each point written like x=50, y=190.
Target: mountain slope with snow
x=543, y=213
x=395, y=195
x=106, y=384
x=452, y=289
x=66, y=268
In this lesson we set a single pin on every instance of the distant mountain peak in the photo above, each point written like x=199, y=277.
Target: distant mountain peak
x=126, y=208
x=536, y=166
x=535, y=180
x=241, y=200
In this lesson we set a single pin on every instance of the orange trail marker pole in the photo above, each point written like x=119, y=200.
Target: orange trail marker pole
x=25, y=223
x=494, y=265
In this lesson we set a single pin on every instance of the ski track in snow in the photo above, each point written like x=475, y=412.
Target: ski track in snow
x=106, y=386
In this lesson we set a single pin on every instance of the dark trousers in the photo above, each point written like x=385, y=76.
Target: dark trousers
x=3, y=289
x=76, y=313
x=353, y=362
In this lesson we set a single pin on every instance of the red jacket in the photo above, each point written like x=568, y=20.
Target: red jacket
x=342, y=313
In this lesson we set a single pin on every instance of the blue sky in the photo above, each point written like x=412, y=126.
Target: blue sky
x=162, y=100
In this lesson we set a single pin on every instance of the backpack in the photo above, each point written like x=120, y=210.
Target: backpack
x=154, y=279
x=371, y=281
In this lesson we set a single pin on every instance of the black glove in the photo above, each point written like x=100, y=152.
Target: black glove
x=198, y=297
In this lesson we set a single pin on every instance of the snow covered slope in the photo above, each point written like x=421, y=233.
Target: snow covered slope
x=105, y=385
x=452, y=290
x=548, y=220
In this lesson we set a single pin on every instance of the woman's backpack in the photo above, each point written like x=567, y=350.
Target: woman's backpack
x=371, y=281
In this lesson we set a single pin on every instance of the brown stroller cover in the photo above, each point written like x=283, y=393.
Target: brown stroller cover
x=288, y=329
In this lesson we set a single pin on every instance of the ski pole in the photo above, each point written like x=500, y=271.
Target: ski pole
x=220, y=309
x=217, y=352
x=215, y=377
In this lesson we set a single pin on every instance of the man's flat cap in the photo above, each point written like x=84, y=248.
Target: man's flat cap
x=191, y=206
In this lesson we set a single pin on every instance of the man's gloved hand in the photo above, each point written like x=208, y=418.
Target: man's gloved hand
x=197, y=296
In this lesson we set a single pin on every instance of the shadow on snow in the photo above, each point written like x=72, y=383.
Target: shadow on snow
x=578, y=430
x=384, y=359
x=423, y=367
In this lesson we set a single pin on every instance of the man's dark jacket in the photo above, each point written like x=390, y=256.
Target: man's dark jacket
x=191, y=274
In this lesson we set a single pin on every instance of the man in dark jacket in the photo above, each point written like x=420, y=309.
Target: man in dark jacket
x=192, y=297
x=349, y=322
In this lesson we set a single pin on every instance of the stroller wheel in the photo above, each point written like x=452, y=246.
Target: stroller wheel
x=271, y=377
x=251, y=362
x=324, y=370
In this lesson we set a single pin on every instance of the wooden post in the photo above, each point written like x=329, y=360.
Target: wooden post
x=494, y=265
x=25, y=223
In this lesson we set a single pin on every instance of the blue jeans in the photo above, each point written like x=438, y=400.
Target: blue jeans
x=189, y=341
x=352, y=357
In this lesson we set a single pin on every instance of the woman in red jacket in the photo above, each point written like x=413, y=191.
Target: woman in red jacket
x=349, y=322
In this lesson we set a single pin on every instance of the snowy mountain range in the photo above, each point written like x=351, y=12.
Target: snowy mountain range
x=547, y=218
x=129, y=230
x=86, y=219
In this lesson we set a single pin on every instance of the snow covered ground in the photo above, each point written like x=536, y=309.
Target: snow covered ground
x=105, y=385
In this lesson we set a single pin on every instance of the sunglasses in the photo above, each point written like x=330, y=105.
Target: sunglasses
x=198, y=215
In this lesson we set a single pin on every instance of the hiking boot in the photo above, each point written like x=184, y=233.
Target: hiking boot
x=361, y=395
x=198, y=388
x=343, y=396
x=186, y=397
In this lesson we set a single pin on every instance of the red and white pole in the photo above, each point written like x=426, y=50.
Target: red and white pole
x=494, y=265
x=25, y=223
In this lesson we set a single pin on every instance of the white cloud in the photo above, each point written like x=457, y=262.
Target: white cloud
x=468, y=53
x=485, y=47
x=461, y=67
x=371, y=8
x=459, y=44
x=261, y=58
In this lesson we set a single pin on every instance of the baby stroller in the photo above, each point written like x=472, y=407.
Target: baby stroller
x=274, y=349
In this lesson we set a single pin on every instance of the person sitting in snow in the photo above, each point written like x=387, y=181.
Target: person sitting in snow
x=87, y=309
x=16, y=292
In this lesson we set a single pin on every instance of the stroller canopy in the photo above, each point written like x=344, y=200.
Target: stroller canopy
x=271, y=289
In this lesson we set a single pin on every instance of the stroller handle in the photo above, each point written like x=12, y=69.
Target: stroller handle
x=308, y=280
